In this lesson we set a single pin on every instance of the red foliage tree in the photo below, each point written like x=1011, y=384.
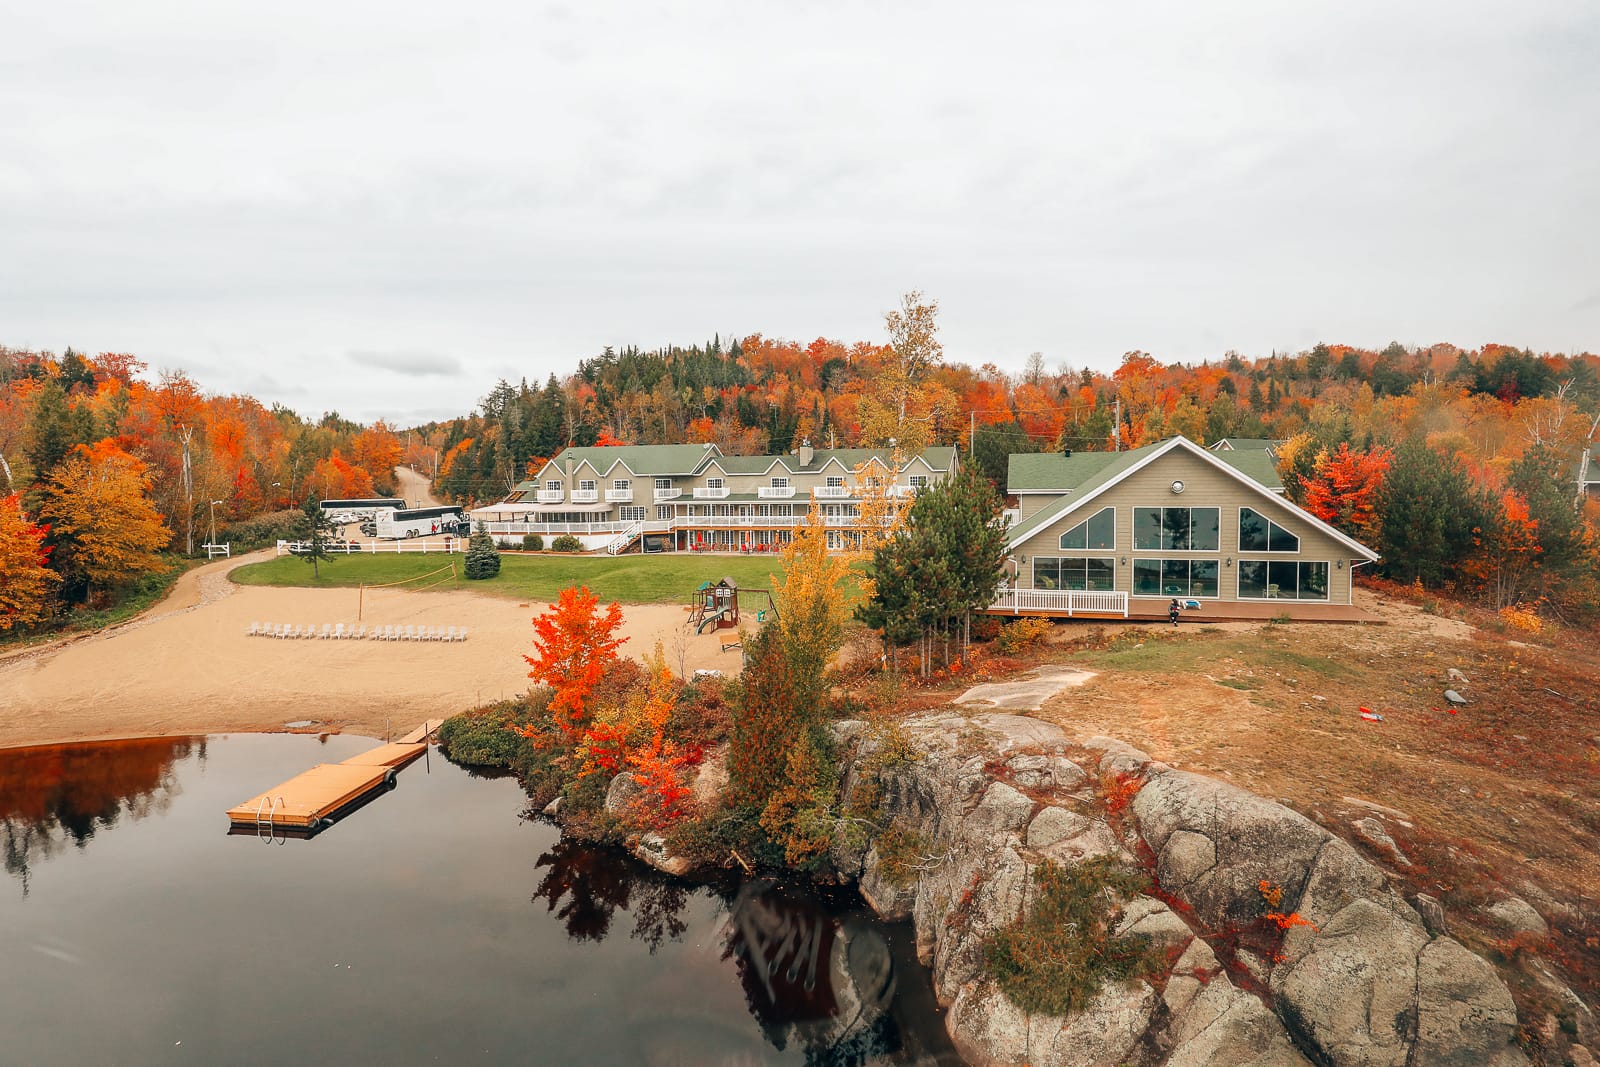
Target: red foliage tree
x=1343, y=488
x=573, y=646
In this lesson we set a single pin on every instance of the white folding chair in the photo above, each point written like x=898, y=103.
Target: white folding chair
x=327, y=631
x=411, y=633
x=359, y=634
x=338, y=632
x=450, y=634
x=435, y=633
x=255, y=628
x=463, y=636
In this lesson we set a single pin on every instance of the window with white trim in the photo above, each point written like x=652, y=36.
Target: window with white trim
x=1282, y=579
x=834, y=481
x=1075, y=572
x=663, y=511
x=918, y=481
x=1097, y=532
x=1257, y=533
x=780, y=483
x=1176, y=529
x=633, y=514
x=553, y=485
x=586, y=485
x=713, y=483
x=1175, y=577
x=621, y=483
x=663, y=483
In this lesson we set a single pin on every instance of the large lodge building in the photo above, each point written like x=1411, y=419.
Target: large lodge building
x=657, y=498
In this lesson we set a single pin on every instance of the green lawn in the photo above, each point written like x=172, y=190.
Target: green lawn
x=658, y=579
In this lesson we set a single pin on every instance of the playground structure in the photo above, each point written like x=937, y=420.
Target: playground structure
x=715, y=606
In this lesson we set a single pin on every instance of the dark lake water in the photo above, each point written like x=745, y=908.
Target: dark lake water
x=434, y=925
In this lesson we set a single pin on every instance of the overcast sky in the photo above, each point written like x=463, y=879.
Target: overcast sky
x=380, y=208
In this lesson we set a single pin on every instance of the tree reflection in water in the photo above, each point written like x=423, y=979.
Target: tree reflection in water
x=53, y=795
x=812, y=977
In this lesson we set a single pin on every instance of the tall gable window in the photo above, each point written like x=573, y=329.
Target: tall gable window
x=1257, y=533
x=1098, y=531
x=1176, y=529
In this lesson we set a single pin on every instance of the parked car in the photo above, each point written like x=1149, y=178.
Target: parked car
x=369, y=529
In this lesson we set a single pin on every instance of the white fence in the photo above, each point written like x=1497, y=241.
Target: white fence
x=1067, y=602
x=373, y=548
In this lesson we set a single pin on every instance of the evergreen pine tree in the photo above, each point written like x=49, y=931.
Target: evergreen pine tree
x=1430, y=513
x=315, y=528
x=483, y=558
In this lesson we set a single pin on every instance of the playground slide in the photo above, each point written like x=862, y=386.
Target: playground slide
x=710, y=620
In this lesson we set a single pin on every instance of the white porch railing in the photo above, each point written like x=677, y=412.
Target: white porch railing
x=619, y=496
x=775, y=492
x=830, y=492
x=668, y=494
x=1067, y=602
x=711, y=494
x=550, y=496
x=372, y=548
x=585, y=496
x=624, y=539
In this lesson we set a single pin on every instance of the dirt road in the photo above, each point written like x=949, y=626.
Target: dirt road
x=416, y=489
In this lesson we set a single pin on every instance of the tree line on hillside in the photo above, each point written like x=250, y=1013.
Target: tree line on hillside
x=104, y=472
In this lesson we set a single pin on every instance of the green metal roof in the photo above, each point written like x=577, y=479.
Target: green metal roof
x=1248, y=444
x=1256, y=465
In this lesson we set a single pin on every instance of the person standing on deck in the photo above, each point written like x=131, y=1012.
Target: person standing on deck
x=1172, y=611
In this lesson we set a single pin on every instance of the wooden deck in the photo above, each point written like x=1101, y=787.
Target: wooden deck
x=306, y=801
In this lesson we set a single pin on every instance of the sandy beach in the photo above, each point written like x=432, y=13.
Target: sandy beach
x=187, y=666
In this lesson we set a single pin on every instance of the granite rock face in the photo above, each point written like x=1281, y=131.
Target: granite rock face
x=992, y=795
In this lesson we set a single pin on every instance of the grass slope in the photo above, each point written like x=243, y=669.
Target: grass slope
x=659, y=579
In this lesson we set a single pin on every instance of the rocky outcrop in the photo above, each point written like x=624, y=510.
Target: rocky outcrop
x=1356, y=978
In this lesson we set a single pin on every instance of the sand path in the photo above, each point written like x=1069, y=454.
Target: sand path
x=186, y=666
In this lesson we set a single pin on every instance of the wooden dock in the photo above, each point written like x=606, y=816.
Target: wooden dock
x=312, y=799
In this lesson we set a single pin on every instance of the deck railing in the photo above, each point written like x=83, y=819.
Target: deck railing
x=1067, y=602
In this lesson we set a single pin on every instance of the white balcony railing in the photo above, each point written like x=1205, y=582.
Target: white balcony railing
x=830, y=492
x=903, y=490
x=668, y=494
x=551, y=496
x=711, y=494
x=619, y=496
x=775, y=492
x=1061, y=601
x=585, y=496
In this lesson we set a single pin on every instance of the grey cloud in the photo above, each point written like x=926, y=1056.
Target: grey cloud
x=338, y=202
x=410, y=364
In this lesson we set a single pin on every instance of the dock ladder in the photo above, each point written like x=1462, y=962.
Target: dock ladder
x=277, y=801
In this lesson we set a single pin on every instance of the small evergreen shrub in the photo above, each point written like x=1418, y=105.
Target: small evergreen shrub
x=1054, y=959
x=532, y=543
x=566, y=543
x=483, y=558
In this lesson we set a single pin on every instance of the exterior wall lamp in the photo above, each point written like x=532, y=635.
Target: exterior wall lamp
x=1339, y=563
x=1228, y=562
x=1124, y=561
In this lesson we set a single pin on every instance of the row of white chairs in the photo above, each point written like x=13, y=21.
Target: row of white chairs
x=341, y=632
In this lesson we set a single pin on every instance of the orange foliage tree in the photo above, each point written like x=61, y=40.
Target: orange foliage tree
x=106, y=525
x=26, y=581
x=1343, y=488
x=573, y=646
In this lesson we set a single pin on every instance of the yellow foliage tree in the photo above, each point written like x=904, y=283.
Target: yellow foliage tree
x=812, y=607
x=25, y=581
x=97, y=505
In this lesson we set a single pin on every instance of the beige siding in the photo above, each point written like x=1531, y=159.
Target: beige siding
x=1204, y=486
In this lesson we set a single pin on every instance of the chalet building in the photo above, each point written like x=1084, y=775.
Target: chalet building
x=656, y=498
x=1125, y=533
x=1249, y=444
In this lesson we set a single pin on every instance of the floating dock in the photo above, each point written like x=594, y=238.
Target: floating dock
x=311, y=800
